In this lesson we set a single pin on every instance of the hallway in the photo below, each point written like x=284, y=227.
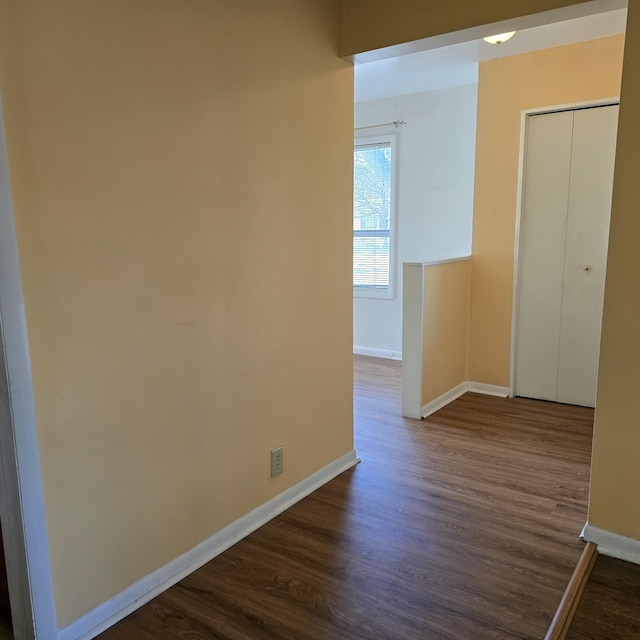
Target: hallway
x=464, y=525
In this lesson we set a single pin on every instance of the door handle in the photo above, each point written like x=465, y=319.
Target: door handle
x=587, y=267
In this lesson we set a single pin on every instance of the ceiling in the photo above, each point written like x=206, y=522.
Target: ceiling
x=457, y=65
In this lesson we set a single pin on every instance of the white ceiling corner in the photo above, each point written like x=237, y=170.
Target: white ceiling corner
x=457, y=65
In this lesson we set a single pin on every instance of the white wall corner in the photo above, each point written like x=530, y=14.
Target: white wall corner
x=428, y=182
x=613, y=544
x=121, y=605
x=412, y=329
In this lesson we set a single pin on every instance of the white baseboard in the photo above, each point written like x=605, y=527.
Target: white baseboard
x=444, y=399
x=457, y=391
x=377, y=353
x=108, y=613
x=488, y=389
x=613, y=544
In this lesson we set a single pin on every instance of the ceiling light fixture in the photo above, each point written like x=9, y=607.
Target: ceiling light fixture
x=500, y=37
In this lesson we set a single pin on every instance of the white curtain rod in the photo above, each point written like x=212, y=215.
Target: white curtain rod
x=395, y=123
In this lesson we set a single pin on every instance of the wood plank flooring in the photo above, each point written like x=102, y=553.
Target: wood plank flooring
x=462, y=526
x=610, y=605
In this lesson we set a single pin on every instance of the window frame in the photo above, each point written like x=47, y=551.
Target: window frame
x=363, y=140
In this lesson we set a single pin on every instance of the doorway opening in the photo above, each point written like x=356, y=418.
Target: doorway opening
x=458, y=146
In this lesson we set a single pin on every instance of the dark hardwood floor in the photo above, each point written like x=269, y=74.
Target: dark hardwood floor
x=463, y=526
x=610, y=605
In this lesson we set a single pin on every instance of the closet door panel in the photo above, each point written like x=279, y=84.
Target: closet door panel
x=542, y=250
x=589, y=211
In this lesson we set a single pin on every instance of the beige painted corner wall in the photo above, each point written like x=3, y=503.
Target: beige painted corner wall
x=507, y=86
x=615, y=473
x=445, y=327
x=172, y=164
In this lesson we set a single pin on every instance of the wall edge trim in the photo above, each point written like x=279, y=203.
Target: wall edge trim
x=372, y=352
x=133, y=597
x=461, y=389
x=444, y=399
x=613, y=544
x=488, y=389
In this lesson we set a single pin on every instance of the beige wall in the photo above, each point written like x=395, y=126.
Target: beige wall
x=446, y=327
x=615, y=487
x=507, y=86
x=171, y=164
x=182, y=184
x=615, y=475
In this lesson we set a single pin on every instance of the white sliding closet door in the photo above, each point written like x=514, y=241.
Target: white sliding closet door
x=568, y=178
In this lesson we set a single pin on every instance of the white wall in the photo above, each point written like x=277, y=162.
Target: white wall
x=435, y=173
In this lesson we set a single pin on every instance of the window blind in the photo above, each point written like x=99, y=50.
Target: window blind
x=372, y=215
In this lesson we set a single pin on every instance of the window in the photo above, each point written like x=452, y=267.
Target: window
x=373, y=174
